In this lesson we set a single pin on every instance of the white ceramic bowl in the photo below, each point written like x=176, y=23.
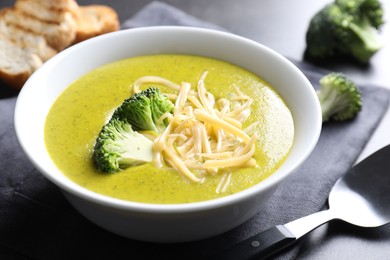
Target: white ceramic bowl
x=178, y=222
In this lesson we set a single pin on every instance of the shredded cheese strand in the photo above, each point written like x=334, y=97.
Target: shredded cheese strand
x=179, y=165
x=231, y=162
x=153, y=79
x=203, y=116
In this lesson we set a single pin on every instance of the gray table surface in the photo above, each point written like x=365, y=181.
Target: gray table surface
x=281, y=25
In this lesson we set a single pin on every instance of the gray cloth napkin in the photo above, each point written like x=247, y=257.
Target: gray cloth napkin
x=158, y=13
x=36, y=222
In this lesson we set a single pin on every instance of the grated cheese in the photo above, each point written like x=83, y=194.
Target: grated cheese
x=204, y=135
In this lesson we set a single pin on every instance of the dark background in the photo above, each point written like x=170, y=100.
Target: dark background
x=281, y=25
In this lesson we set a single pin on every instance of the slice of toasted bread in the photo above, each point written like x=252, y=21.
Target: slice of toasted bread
x=48, y=11
x=27, y=40
x=58, y=35
x=95, y=20
x=16, y=63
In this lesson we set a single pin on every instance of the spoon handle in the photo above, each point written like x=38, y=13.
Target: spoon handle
x=272, y=240
x=261, y=245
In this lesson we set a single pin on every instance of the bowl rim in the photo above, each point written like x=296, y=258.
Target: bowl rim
x=111, y=202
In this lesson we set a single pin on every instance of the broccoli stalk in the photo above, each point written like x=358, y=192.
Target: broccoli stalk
x=345, y=28
x=368, y=41
x=118, y=146
x=143, y=110
x=339, y=97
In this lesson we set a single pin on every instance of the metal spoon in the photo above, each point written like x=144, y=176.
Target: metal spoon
x=361, y=198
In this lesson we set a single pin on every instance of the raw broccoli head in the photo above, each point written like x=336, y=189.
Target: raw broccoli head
x=345, y=28
x=339, y=97
x=143, y=110
x=118, y=146
x=371, y=9
x=322, y=35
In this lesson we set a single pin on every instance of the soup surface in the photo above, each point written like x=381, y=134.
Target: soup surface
x=79, y=113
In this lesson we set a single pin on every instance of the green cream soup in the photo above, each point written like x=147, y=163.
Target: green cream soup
x=79, y=113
